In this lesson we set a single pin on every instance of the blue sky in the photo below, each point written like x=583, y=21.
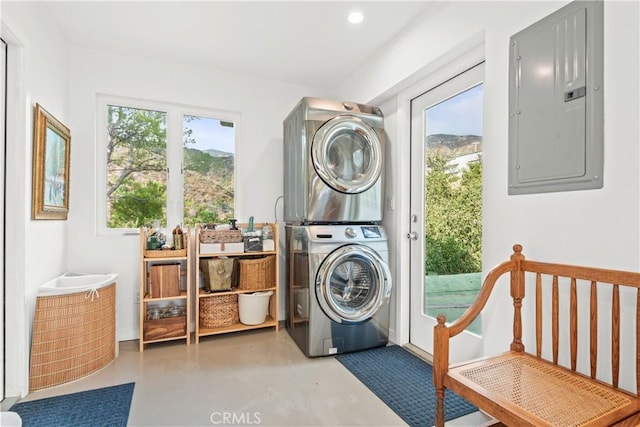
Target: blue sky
x=460, y=115
x=209, y=134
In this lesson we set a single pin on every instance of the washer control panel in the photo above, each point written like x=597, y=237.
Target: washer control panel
x=350, y=233
x=368, y=232
x=371, y=232
x=347, y=233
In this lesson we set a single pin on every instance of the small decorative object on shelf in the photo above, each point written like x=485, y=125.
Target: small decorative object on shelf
x=218, y=285
x=252, y=242
x=178, y=238
x=218, y=273
x=164, y=280
x=267, y=232
x=267, y=238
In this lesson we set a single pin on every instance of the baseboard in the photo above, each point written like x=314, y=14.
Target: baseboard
x=8, y=403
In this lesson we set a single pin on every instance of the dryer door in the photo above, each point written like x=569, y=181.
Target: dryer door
x=352, y=283
x=347, y=154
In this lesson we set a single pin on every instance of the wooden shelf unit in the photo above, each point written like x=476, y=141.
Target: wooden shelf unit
x=184, y=298
x=272, y=316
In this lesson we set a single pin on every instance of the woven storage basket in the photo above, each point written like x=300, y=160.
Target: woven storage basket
x=220, y=236
x=219, y=311
x=257, y=273
x=165, y=253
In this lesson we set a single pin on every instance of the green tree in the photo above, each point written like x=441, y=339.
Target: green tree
x=136, y=164
x=137, y=142
x=470, y=212
x=139, y=204
x=453, y=223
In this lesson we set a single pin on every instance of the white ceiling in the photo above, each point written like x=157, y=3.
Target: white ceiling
x=308, y=43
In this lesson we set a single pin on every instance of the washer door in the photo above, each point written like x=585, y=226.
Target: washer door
x=352, y=283
x=347, y=154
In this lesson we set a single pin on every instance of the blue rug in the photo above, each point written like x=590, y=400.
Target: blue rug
x=108, y=407
x=405, y=383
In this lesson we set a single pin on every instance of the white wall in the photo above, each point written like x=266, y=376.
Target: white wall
x=391, y=211
x=65, y=80
x=262, y=105
x=598, y=227
x=35, y=251
x=595, y=227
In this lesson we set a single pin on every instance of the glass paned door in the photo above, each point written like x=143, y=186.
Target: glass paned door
x=3, y=103
x=446, y=205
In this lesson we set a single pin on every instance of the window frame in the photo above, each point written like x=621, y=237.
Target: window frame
x=175, y=183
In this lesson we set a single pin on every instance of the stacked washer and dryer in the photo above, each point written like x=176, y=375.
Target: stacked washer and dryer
x=338, y=282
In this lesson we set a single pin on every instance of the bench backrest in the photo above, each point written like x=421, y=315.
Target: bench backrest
x=557, y=275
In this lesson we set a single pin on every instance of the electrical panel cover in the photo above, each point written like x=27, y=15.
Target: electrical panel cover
x=556, y=124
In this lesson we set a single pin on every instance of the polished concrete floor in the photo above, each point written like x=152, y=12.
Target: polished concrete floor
x=257, y=378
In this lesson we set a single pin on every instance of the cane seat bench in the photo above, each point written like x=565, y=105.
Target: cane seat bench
x=524, y=389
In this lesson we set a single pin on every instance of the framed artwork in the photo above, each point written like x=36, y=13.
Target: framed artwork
x=51, y=149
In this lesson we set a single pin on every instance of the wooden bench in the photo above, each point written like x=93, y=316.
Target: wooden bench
x=524, y=389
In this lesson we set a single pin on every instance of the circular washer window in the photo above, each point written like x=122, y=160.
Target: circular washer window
x=352, y=284
x=347, y=154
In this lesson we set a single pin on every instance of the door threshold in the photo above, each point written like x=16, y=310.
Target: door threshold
x=417, y=351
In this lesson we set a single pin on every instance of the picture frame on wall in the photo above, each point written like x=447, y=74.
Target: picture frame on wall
x=51, y=152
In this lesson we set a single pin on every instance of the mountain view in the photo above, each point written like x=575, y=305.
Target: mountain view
x=217, y=153
x=452, y=146
x=208, y=183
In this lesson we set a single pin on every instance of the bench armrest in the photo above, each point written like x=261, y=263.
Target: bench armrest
x=481, y=299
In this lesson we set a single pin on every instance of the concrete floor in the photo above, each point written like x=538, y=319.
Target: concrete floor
x=248, y=378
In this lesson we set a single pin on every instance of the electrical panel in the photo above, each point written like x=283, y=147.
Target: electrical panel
x=556, y=123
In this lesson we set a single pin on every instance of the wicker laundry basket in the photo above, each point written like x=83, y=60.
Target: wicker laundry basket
x=257, y=273
x=219, y=311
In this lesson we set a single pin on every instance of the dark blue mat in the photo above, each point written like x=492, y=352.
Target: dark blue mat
x=108, y=407
x=404, y=382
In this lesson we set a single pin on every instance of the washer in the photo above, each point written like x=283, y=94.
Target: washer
x=334, y=158
x=338, y=288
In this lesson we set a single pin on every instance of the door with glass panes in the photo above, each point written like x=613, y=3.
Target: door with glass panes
x=446, y=209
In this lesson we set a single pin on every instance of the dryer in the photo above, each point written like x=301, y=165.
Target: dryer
x=333, y=161
x=338, y=288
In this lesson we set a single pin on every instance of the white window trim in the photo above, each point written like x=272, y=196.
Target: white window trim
x=175, y=114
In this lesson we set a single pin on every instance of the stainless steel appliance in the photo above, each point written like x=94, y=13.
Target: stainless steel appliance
x=338, y=287
x=333, y=161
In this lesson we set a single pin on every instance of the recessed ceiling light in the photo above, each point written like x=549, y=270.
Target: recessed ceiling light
x=356, y=17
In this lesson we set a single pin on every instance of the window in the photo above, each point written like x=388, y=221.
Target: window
x=136, y=166
x=453, y=204
x=208, y=170
x=164, y=163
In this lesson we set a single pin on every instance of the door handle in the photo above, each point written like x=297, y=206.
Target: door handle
x=412, y=236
